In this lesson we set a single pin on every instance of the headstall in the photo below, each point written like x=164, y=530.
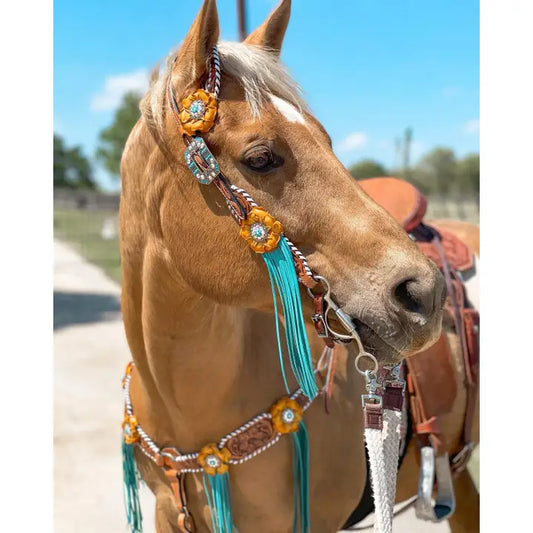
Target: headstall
x=287, y=267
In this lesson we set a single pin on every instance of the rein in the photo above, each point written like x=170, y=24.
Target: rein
x=287, y=267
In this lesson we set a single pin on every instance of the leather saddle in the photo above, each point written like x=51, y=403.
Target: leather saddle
x=431, y=381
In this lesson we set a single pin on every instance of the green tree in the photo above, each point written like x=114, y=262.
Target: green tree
x=71, y=168
x=437, y=171
x=468, y=173
x=367, y=168
x=113, y=139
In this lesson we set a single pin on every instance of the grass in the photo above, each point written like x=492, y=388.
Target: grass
x=439, y=207
x=94, y=234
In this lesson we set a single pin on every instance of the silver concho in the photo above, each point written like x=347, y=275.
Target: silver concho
x=288, y=415
x=259, y=232
x=197, y=109
x=212, y=461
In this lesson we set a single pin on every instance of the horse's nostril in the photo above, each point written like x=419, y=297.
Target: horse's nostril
x=407, y=294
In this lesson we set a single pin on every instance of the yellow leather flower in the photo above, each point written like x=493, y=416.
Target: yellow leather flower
x=129, y=428
x=199, y=112
x=129, y=369
x=261, y=230
x=213, y=460
x=286, y=415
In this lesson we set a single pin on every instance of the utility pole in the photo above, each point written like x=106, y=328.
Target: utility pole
x=241, y=17
x=407, y=152
x=397, y=153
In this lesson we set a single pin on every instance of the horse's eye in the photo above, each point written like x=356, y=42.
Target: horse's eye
x=261, y=159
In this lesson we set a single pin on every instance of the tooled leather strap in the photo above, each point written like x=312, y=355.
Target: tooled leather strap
x=466, y=321
x=427, y=429
x=237, y=204
x=434, y=463
x=177, y=483
x=174, y=106
x=244, y=443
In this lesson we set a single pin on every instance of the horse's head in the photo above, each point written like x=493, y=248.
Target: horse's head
x=267, y=142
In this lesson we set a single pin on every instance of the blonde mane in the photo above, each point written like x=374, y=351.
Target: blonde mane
x=256, y=69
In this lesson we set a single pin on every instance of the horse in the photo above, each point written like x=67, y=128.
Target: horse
x=197, y=303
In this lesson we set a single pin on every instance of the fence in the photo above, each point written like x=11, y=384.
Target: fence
x=88, y=220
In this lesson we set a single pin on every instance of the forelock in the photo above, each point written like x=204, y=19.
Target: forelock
x=257, y=70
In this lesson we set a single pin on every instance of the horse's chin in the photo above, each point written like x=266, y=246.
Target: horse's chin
x=385, y=353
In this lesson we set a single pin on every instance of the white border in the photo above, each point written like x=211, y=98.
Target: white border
x=26, y=313
x=26, y=296
x=506, y=264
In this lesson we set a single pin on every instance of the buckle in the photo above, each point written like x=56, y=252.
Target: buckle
x=201, y=161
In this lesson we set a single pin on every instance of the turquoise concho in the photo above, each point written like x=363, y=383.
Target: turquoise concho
x=201, y=162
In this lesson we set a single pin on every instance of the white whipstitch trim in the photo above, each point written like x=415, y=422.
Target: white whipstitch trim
x=244, y=427
x=294, y=250
x=179, y=458
x=300, y=255
x=245, y=194
x=214, y=85
x=256, y=452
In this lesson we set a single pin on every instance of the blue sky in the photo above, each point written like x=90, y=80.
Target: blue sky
x=394, y=63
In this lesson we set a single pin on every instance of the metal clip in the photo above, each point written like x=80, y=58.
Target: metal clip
x=394, y=379
x=201, y=162
x=371, y=387
x=371, y=398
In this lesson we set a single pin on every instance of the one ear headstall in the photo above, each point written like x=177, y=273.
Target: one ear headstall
x=286, y=267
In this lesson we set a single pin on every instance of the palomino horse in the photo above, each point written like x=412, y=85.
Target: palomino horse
x=197, y=303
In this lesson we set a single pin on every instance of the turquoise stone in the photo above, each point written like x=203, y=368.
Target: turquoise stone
x=287, y=415
x=212, y=461
x=197, y=109
x=259, y=232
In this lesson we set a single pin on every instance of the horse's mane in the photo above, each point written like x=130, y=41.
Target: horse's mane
x=256, y=69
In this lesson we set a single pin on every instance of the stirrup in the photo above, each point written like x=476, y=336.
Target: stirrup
x=434, y=469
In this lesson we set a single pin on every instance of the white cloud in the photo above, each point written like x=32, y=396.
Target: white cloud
x=353, y=142
x=115, y=87
x=472, y=126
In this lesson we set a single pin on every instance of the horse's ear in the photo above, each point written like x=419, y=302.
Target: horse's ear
x=191, y=62
x=270, y=34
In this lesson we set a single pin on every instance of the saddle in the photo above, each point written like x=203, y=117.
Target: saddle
x=431, y=382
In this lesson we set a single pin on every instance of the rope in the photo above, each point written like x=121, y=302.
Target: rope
x=391, y=449
x=383, y=422
x=378, y=471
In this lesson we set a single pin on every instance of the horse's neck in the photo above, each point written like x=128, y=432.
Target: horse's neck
x=201, y=364
x=204, y=365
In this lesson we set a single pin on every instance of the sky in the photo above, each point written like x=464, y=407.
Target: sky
x=386, y=64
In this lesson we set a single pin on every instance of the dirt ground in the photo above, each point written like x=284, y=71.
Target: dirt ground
x=90, y=354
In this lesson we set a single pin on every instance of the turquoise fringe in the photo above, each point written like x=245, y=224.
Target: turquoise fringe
x=131, y=488
x=283, y=277
x=217, y=491
x=300, y=458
